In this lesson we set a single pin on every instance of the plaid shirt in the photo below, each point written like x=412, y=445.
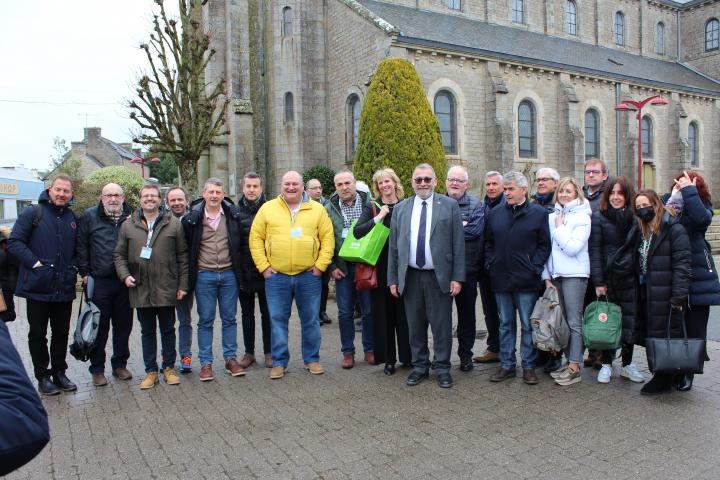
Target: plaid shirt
x=351, y=212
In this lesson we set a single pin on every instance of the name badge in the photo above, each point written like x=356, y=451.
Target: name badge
x=345, y=232
x=145, y=253
x=296, y=232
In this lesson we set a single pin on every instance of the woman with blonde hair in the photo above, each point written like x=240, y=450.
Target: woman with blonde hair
x=568, y=268
x=388, y=313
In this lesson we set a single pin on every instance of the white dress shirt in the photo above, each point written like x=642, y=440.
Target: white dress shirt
x=414, y=225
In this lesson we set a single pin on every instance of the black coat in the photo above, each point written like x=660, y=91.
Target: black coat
x=8, y=268
x=251, y=280
x=606, y=238
x=517, y=245
x=472, y=211
x=96, y=240
x=696, y=217
x=51, y=242
x=667, y=279
x=192, y=224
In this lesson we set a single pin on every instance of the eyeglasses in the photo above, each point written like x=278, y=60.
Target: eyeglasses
x=112, y=195
x=543, y=179
x=456, y=180
x=419, y=180
x=593, y=172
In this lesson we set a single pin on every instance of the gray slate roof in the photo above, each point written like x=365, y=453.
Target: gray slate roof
x=427, y=29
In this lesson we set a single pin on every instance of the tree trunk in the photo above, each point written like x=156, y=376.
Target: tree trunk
x=188, y=174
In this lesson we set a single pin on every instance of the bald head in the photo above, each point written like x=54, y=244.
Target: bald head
x=292, y=187
x=112, y=197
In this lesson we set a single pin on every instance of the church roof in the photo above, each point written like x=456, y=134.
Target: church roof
x=426, y=29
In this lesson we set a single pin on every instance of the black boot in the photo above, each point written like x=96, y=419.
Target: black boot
x=686, y=382
x=47, y=387
x=554, y=363
x=657, y=385
x=63, y=382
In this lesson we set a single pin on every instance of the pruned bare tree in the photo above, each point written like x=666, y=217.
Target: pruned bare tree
x=177, y=110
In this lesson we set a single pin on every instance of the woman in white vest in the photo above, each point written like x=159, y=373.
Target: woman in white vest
x=568, y=268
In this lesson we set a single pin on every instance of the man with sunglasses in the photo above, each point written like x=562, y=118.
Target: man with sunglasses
x=426, y=266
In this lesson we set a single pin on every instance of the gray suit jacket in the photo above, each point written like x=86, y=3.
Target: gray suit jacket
x=447, y=242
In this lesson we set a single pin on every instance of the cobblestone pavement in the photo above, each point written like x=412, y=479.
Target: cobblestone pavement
x=360, y=423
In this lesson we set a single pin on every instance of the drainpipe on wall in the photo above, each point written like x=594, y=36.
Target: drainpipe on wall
x=618, y=149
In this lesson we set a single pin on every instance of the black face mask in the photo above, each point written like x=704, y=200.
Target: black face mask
x=646, y=214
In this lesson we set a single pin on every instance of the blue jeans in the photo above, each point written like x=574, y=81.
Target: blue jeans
x=508, y=304
x=305, y=288
x=211, y=289
x=183, y=310
x=345, y=296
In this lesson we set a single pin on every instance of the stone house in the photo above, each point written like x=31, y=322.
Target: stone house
x=515, y=84
x=95, y=152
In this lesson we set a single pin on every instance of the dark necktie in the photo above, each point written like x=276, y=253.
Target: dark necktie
x=420, y=250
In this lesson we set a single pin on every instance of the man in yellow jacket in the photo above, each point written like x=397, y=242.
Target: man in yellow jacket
x=292, y=243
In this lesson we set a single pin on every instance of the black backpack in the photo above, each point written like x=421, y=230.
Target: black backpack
x=87, y=325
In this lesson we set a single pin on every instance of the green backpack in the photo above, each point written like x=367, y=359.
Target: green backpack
x=602, y=325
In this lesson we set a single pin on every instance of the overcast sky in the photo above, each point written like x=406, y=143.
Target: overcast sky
x=80, y=57
x=81, y=54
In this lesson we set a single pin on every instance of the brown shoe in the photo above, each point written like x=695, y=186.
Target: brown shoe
x=233, y=368
x=502, y=374
x=247, y=360
x=277, y=372
x=348, y=361
x=206, y=373
x=370, y=358
x=315, y=368
x=487, y=357
x=99, y=379
x=122, y=373
x=268, y=360
x=529, y=376
x=591, y=359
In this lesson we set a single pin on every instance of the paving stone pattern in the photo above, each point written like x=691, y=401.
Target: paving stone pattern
x=360, y=423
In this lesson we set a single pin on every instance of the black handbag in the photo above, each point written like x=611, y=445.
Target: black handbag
x=675, y=355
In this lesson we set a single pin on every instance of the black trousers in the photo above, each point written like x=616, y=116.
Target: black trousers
x=148, y=334
x=389, y=326
x=490, y=310
x=467, y=318
x=696, y=319
x=247, y=305
x=57, y=315
x=9, y=314
x=111, y=297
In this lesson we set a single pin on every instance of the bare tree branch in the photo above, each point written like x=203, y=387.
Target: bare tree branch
x=177, y=110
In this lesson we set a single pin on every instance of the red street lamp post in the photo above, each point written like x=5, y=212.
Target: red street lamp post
x=632, y=105
x=142, y=161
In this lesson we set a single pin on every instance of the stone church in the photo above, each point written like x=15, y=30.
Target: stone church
x=515, y=84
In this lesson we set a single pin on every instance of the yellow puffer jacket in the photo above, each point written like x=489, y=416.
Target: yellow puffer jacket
x=291, y=247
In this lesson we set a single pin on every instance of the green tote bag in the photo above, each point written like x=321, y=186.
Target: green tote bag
x=366, y=249
x=602, y=325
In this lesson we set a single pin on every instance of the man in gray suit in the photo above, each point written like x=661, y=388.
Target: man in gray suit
x=426, y=265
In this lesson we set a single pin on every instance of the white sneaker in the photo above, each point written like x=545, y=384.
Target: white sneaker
x=559, y=373
x=630, y=372
x=605, y=373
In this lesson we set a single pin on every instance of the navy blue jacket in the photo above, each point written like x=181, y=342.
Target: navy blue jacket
x=472, y=211
x=24, y=429
x=52, y=242
x=517, y=245
x=695, y=217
